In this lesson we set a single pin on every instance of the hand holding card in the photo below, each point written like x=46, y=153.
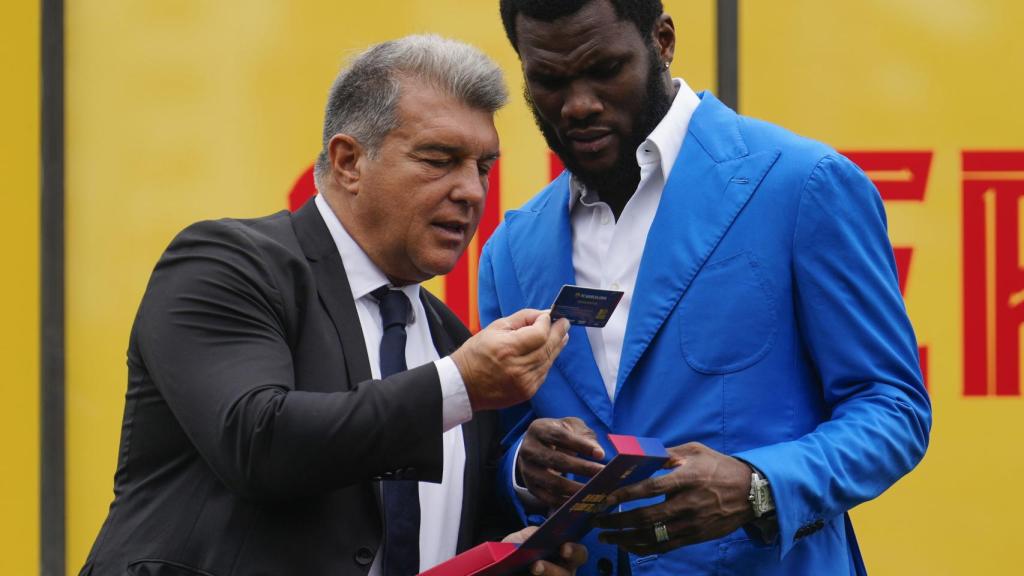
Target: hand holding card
x=590, y=307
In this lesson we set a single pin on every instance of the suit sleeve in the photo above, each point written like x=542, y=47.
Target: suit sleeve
x=213, y=334
x=855, y=327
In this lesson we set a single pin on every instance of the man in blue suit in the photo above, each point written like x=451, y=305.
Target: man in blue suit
x=761, y=334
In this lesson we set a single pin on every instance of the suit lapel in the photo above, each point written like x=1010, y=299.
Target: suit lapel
x=336, y=296
x=712, y=180
x=443, y=341
x=333, y=289
x=541, y=248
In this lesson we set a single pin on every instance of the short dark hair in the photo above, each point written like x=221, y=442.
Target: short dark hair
x=642, y=13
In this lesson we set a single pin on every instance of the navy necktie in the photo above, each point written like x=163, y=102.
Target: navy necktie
x=401, y=497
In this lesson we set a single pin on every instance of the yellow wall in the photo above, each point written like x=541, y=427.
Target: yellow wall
x=915, y=75
x=187, y=109
x=19, y=291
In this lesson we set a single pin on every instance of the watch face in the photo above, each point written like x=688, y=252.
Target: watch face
x=760, y=495
x=765, y=500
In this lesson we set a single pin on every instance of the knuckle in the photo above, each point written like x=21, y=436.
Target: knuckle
x=541, y=427
x=693, y=447
x=552, y=459
x=645, y=516
x=660, y=484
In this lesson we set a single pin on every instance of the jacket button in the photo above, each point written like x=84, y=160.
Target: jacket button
x=604, y=567
x=364, y=556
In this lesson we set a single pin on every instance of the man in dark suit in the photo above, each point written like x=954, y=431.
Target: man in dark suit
x=296, y=403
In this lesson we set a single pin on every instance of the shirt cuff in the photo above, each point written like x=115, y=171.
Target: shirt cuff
x=529, y=500
x=455, y=406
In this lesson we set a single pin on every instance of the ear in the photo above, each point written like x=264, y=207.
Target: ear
x=665, y=37
x=345, y=155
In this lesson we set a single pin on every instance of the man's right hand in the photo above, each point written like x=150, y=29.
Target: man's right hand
x=550, y=449
x=505, y=363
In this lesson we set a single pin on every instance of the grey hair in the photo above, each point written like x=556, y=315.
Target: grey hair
x=363, y=101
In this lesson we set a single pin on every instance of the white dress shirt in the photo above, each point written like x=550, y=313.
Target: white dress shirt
x=440, y=504
x=606, y=253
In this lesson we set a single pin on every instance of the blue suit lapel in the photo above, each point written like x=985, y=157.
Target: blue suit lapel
x=711, y=181
x=541, y=246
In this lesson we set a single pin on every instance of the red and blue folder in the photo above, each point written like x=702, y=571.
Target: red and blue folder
x=635, y=459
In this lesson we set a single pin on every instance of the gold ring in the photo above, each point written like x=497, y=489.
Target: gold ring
x=660, y=533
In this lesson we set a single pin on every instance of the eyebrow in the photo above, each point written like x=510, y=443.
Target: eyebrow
x=547, y=70
x=451, y=150
x=436, y=147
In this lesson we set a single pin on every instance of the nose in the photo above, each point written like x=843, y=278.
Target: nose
x=581, y=102
x=470, y=187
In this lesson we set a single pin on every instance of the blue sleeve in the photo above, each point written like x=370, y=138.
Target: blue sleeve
x=487, y=296
x=855, y=328
x=489, y=301
x=515, y=420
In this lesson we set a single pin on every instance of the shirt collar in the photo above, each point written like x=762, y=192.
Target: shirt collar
x=661, y=147
x=363, y=275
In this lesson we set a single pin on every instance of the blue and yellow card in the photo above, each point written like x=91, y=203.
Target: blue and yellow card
x=590, y=307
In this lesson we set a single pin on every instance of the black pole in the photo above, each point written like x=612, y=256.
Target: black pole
x=728, y=53
x=51, y=369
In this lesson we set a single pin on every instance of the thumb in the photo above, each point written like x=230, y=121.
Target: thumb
x=520, y=536
x=522, y=318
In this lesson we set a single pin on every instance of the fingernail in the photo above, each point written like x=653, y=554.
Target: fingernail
x=566, y=551
x=537, y=569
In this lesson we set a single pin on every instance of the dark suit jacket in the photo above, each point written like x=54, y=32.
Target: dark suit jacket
x=253, y=434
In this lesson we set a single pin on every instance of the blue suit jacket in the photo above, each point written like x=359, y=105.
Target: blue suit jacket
x=766, y=323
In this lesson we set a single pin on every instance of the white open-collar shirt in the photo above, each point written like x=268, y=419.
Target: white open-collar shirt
x=440, y=504
x=606, y=253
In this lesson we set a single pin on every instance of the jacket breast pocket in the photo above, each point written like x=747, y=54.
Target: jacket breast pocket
x=728, y=317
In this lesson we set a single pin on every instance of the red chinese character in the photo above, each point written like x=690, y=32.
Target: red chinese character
x=993, y=193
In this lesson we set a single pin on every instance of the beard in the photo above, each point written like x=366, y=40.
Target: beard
x=624, y=175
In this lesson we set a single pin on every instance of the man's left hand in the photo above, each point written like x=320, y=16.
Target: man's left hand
x=570, y=556
x=705, y=498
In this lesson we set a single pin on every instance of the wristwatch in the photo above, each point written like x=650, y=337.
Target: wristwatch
x=760, y=495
